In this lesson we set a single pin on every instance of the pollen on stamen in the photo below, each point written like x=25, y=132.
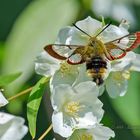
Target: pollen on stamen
x=86, y=137
x=126, y=75
x=122, y=75
x=65, y=68
x=72, y=108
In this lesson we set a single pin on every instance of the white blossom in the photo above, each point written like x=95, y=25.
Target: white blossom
x=117, y=82
x=3, y=100
x=75, y=107
x=98, y=132
x=12, y=127
x=117, y=73
x=46, y=65
x=111, y=8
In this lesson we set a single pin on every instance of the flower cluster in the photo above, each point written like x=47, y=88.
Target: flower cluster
x=11, y=127
x=74, y=95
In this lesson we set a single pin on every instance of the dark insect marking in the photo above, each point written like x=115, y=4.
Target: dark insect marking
x=98, y=80
x=96, y=63
x=96, y=67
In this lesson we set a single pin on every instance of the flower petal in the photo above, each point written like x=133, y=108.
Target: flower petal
x=113, y=32
x=111, y=8
x=116, y=84
x=77, y=38
x=98, y=132
x=82, y=75
x=46, y=65
x=125, y=63
x=101, y=89
x=103, y=9
x=63, y=35
x=59, y=127
x=60, y=95
x=88, y=93
x=87, y=87
x=102, y=133
x=3, y=100
x=79, y=105
x=89, y=25
x=11, y=127
x=62, y=38
x=64, y=77
x=136, y=63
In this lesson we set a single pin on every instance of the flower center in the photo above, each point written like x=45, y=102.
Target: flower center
x=126, y=75
x=86, y=137
x=65, y=68
x=72, y=108
x=119, y=76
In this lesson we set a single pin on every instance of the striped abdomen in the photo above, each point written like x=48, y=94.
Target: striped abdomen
x=96, y=68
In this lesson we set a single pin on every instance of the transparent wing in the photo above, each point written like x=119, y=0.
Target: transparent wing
x=130, y=42
x=114, y=52
x=49, y=49
x=118, y=48
x=75, y=59
x=64, y=52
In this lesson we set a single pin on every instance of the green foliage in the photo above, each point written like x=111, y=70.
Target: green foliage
x=128, y=106
x=33, y=104
x=37, y=26
x=1, y=51
x=7, y=79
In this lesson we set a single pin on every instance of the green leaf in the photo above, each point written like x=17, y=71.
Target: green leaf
x=128, y=106
x=37, y=26
x=7, y=79
x=2, y=46
x=33, y=104
x=103, y=21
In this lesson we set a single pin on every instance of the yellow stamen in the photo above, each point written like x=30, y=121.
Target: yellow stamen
x=65, y=68
x=86, y=137
x=119, y=76
x=126, y=75
x=72, y=108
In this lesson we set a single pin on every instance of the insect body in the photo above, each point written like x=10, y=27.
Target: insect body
x=96, y=62
x=96, y=54
x=96, y=68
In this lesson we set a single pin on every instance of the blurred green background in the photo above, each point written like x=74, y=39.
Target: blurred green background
x=27, y=25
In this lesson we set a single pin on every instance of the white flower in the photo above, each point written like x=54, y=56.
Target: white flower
x=111, y=8
x=64, y=73
x=46, y=65
x=70, y=35
x=3, y=100
x=91, y=27
x=11, y=127
x=99, y=132
x=75, y=107
x=117, y=82
x=69, y=74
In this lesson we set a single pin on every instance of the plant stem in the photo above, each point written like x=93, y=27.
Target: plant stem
x=20, y=93
x=46, y=132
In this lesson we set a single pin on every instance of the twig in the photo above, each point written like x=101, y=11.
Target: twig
x=45, y=133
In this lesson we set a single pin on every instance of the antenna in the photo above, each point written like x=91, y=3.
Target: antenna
x=88, y=34
x=81, y=30
x=104, y=28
